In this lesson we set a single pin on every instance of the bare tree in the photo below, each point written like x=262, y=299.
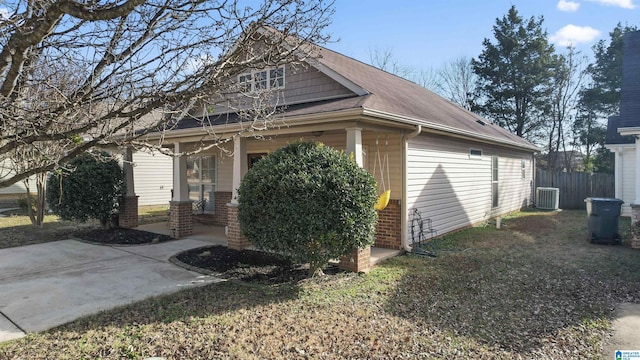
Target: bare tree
x=133, y=58
x=568, y=79
x=457, y=81
x=383, y=59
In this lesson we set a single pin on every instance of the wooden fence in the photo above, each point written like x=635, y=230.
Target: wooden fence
x=576, y=186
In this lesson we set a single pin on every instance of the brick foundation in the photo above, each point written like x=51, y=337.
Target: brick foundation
x=235, y=239
x=181, y=218
x=635, y=214
x=388, y=230
x=221, y=216
x=358, y=261
x=128, y=212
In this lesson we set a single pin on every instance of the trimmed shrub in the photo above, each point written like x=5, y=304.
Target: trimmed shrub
x=309, y=202
x=90, y=190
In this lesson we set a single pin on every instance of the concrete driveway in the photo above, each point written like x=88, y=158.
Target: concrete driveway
x=46, y=285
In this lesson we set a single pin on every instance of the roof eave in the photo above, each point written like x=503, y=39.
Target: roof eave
x=431, y=126
x=629, y=131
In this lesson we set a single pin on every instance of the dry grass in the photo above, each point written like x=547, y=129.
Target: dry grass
x=16, y=228
x=535, y=290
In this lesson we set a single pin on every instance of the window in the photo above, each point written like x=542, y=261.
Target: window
x=201, y=178
x=475, y=154
x=523, y=168
x=276, y=77
x=245, y=81
x=254, y=158
x=494, y=182
x=262, y=80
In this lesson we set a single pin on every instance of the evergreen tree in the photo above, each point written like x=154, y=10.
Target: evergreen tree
x=515, y=74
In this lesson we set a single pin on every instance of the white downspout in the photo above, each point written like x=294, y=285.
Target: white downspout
x=405, y=172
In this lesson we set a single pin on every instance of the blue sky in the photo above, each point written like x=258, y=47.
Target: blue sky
x=426, y=34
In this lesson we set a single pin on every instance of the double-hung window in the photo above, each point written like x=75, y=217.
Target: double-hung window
x=494, y=182
x=201, y=178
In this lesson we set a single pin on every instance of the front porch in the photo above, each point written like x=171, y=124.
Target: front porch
x=216, y=236
x=212, y=178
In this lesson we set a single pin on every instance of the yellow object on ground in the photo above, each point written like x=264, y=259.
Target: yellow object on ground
x=383, y=200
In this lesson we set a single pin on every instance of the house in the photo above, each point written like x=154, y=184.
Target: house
x=10, y=195
x=456, y=168
x=623, y=130
x=561, y=161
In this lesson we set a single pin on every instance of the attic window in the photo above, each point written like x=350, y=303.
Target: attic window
x=475, y=154
x=481, y=122
x=271, y=78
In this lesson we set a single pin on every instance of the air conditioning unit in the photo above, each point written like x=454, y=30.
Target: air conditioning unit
x=547, y=198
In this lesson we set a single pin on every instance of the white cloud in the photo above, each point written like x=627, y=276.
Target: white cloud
x=625, y=4
x=574, y=35
x=568, y=6
x=4, y=13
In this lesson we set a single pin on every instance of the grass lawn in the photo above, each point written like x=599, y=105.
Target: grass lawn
x=537, y=289
x=16, y=228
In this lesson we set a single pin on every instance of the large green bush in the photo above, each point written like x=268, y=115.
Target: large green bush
x=90, y=189
x=308, y=201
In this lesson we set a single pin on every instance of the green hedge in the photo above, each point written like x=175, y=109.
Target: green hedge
x=90, y=189
x=308, y=201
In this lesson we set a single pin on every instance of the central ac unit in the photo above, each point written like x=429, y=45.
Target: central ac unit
x=547, y=198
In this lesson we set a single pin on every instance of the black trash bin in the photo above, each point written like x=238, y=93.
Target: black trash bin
x=603, y=216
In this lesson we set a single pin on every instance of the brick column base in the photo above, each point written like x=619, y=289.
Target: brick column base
x=181, y=218
x=358, y=260
x=388, y=230
x=635, y=226
x=128, y=211
x=235, y=239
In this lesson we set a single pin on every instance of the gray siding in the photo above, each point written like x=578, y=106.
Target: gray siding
x=309, y=84
x=302, y=84
x=453, y=189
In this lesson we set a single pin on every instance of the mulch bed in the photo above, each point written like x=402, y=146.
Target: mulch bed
x=245, y=265
x=121, y=236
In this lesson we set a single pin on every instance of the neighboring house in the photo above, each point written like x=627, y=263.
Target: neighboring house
x=561, y=161
x=456, y=168
x=153, y=177
x=10, y=195
x=623, y=130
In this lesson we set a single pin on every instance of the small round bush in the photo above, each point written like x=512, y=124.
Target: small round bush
x=309, y=202
x=90, y=189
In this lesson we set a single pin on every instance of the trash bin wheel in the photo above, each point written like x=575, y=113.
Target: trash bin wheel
x=593, y=238
x=617, y=239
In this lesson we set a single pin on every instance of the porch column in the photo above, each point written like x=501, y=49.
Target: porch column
x=235, y=239
x=618, y=172
x=128, y=216
x=637, y=180
x=354, y=145
x=358, y=260
x=180, y=207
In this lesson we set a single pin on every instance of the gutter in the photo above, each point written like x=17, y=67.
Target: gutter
x=405, y=171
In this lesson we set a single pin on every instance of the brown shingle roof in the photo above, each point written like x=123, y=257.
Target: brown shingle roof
x=391, y=94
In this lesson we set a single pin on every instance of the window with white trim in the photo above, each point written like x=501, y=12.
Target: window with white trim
x=201, y=179
x=523, y=168
x=262, y=79
x=475, y=154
